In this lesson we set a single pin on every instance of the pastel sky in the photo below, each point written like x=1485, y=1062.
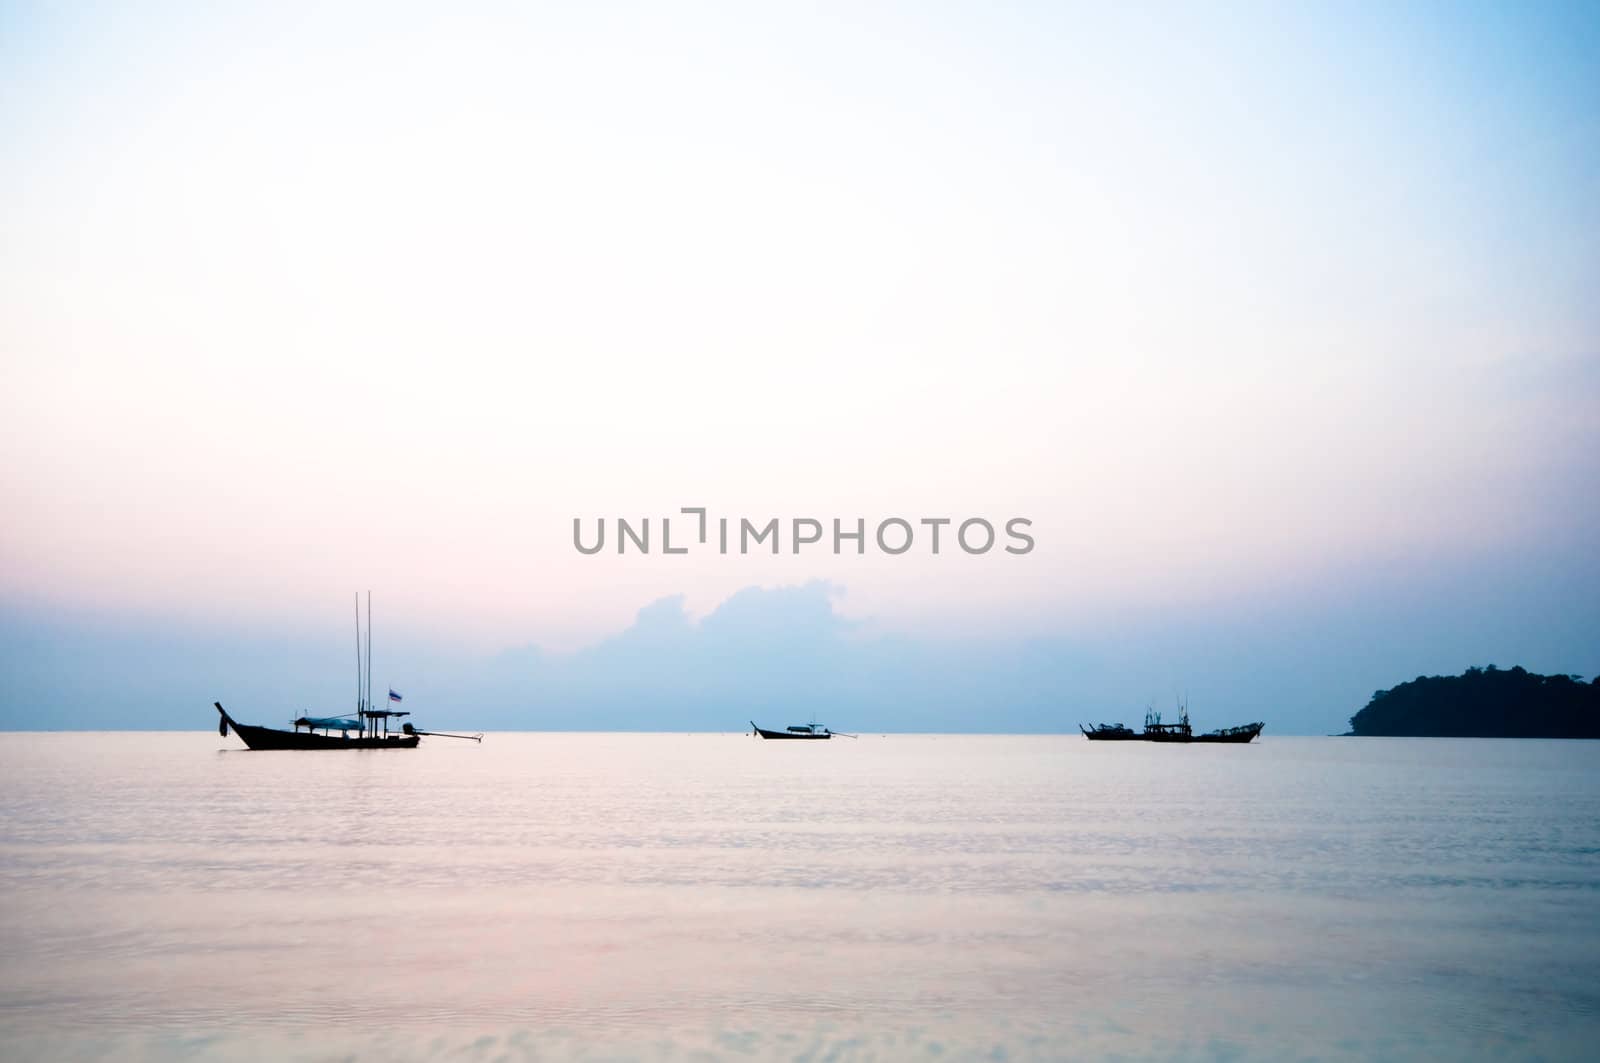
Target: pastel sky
x=1278, y=321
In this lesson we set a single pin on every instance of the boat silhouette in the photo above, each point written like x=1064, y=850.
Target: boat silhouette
x=371, y=725
x=801, y=731
x=1156, y=731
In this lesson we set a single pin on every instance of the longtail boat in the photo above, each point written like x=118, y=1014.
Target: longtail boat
x=371, y=725
x=802, y=731
x=319, y=732
x=1156, y=731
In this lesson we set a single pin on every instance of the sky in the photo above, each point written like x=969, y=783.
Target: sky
x=1276, y=322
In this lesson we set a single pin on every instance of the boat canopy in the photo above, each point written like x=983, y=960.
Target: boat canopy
x=332, y=723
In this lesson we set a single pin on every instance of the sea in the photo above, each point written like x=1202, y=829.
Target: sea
x=174, y=896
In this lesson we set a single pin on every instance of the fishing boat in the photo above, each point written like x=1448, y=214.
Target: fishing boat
x=1110, y=732
x=1156, y=731
x=802, y=731
x=319, y=731
x=370, y=725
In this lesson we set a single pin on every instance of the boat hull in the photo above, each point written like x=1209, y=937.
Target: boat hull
x=1235, y=738
x=273, y=738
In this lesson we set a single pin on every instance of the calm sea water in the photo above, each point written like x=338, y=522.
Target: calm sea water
x=604, y=896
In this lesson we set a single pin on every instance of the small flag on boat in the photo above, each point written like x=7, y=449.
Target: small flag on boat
x=392, y=695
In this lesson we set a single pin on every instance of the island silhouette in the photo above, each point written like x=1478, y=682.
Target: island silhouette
x=1484, y=703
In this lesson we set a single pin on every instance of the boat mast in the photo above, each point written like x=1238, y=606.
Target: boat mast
x=358, y=655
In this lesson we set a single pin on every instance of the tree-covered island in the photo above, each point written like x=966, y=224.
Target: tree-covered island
x=1484, y=703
